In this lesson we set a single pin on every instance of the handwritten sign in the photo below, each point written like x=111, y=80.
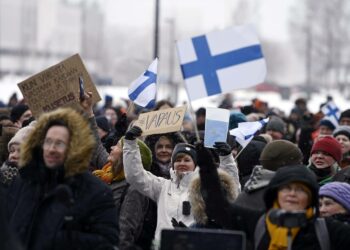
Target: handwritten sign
x=161, y=121
x=216, y=126
x=57, y=86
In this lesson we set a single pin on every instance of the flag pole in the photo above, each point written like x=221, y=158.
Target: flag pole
x=130, y=108
x=194, y=121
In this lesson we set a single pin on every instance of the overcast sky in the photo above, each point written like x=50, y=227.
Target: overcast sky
x=269, y=16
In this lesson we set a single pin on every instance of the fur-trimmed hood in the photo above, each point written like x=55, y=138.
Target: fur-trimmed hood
x=81, y=146
x=196, y=199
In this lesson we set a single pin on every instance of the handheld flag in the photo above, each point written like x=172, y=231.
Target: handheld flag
x=221, y=61
x=216, y=126
x=143, y=90
x=245, y=131
x=331, y=112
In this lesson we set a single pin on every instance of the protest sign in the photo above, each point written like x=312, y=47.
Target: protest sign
x=216, y=126
x=57, y=86
x=161, y=121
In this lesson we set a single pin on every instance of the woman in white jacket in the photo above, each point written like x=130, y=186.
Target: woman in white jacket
x=171, y=195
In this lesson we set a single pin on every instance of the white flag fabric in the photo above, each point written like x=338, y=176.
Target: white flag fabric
x=143, y=90
x=331, y=112
x=221, y=61
x=245, y=131
x=216, y=126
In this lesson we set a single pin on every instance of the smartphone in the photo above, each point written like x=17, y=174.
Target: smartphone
x=81, y=88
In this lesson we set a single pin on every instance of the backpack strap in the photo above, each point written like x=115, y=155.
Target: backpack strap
x=322, y=233
x=259, y=231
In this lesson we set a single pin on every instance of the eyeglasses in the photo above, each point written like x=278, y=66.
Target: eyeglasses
x=60, y=145
x=295, y=188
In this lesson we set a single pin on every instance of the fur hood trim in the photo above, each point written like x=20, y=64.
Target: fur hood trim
x=81, y=146
x=196, y=199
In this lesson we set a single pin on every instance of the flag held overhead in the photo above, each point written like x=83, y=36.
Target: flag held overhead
x=331, y=112
x=245, y=131
x=221, y=61
x=143, y=90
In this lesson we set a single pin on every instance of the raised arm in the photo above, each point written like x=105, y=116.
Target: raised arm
x=227, y=163
x=142, y=180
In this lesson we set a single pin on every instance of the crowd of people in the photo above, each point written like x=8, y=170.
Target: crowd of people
x=88, y=179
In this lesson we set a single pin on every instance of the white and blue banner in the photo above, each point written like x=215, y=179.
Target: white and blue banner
x=216, y=126
x=143, y=90
x=221, y=61
x=331, y=112
x=245, y=131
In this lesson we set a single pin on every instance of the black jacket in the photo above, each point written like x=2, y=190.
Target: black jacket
x=65, y=207
x=77, y=214
x=231, y=216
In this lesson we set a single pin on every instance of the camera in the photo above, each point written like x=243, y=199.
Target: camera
x=288, y=219
x=186, y=208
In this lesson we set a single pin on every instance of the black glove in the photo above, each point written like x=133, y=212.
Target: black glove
x=133, y=133
x=222, y=148
x=177, y=223
x=205, y=159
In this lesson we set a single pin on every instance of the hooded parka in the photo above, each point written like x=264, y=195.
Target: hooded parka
x=65, y=207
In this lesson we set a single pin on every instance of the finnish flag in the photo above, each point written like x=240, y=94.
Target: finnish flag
x=245, y=131
x=221, y=61
x=143, y=90
x=331, y=112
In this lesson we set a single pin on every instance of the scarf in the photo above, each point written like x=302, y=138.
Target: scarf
x=106, y=174
x=278, y=234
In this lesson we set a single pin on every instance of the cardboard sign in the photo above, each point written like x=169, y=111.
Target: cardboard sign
x=216, y=126
x=57, y=86
x=161, y=121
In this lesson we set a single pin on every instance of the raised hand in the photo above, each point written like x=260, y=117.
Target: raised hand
x=133, y=133
x=222, y=148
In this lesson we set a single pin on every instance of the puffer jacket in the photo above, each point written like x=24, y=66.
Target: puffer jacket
x=65, y=207
x=252, y=195
x=168, y=194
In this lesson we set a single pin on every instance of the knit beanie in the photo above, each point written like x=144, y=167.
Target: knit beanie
x=186, y=149
x=276, y=124
x=21, y=135
x=327, y=123
x=102, y=123
x=145, y=152
x=345, y=114
x=342, y=130
x=17, y=111
x=328, y=145
x=235, y=118
x=280, y=153
x=338, y=191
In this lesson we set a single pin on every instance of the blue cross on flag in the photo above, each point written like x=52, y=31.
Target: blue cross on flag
x=331, y=112
x=245, y=131
x=143, y=90
x=221, y=61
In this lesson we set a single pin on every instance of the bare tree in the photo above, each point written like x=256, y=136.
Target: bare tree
x=321, y=34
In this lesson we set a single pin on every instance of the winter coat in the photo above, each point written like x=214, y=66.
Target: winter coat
x=7, y=173
x=324, y=175
x=137, y=224
x=197, y=199
x=65, y=207
x=234, y=217
x=168, y=194
x=252, y=195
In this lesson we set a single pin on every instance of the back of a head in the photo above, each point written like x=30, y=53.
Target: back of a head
x=280, y=153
